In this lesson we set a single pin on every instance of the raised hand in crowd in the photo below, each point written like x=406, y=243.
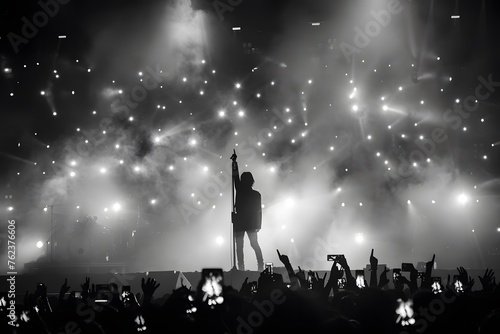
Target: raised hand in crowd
x=373, y=270
x=148, y=287
x=64, y=289
x=427, y=280
x=467, y=281
x=86, y=288
x=488, y=281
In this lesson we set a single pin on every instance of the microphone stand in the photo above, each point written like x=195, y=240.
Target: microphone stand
x=233, y=213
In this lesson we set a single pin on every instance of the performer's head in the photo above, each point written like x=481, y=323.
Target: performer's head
x=247, y=180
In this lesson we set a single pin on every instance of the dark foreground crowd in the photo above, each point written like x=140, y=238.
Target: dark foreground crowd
x=415, y=302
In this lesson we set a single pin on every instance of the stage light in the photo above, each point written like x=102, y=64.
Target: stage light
x=463, y=199
x=272, y=169
x=192, y=142
x=241, y=113
x=485, y=157
x=386, y=162
x=73, y=163
x=72, y=174
x=258, y=95
x=10, y=208
x=403, y=135
x=121, y=162
x=339, y=189
x=451, y=78
x=438, y=58
x=383, y=98
x=498, y=229
x=171, y=167
x=400, y=88
x=343, y=204
x=291, y=240
x=131, y=118
x=105, y=209
x=369, y=137
x=117, y=207
x=103, y=170
x=464, y=128
x=359, y=238
x=42, y=92
x=237, y=85
x=202, y=92
x=385, y=108
x=153, y=201
x=355, y=107
x=428, y=159
x=378, y=154
x=422, y=102
x=289, y=202
x=222, y=113
x=433, y=202
x=482, y=120
x=157, y=140
x=205, y=169
x=39, y=244
x=272, y=83
x=309, y=81
x=332, y=148
x=45, y=209
x=389, y=127
x=219, y=240
x=408, y=201
x=78, y=207
x=236, y=28
x=136, y=169
x=360, y=204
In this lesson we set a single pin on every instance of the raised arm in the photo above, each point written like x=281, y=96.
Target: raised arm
x=236, y=172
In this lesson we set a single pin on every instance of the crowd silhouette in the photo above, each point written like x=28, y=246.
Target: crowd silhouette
x=303, y=302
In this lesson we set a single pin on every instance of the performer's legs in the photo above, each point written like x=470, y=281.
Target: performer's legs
x=254, y=242
x=238, y=237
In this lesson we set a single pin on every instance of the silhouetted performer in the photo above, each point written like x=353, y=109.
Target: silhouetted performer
x=249, y=215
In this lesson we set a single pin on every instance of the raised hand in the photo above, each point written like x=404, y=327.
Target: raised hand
x=466, y=280
x=149, y=286
x=488, y=280
x=234, y=156
x=64, y=288
x=283, y=258
x=85, y=287
x=373, y=262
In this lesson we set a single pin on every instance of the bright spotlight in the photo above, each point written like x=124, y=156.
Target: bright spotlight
x=359, y=238
x=39, y=244
x=222, y=113
x=219, y=240
x=103, y=170
x=289, y=202
x=45, y=209
x=462, y=199
x=355, y=107
x=408, y=201
x=117, y=207
x=10, y=208
x=153, y=201
x=238, y=86
x=72, y=174
x=384, y=108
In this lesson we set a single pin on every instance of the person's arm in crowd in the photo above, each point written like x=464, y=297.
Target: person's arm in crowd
x=148, y=286
x=288, y=266
x=64, y=289
x=488, y=281
x=467, y=281
x=427, y=280
x=335, y=275
x=373, y=270
x=350, y=280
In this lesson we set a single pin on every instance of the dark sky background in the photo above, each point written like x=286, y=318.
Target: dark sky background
x=322, y=172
